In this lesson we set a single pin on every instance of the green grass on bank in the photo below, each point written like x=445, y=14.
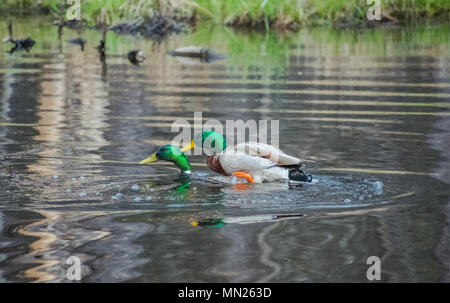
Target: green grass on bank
x=245, y=13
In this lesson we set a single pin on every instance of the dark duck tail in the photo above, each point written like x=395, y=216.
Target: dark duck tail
x=296, y=174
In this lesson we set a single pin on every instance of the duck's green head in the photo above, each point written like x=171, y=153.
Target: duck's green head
x=172, y=154
x=210, y=141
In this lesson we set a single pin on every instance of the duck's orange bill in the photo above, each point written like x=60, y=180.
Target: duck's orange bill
x=246, y=176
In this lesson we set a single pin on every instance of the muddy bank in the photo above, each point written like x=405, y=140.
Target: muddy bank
x=245, y=22
x=156, y=28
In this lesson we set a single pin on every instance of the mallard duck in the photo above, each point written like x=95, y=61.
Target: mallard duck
x=25, y=44
x=19, y=44
x=255, y=162
x=172, y=154
x=136, y=56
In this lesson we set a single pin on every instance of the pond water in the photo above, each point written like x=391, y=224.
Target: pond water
x=367, y=109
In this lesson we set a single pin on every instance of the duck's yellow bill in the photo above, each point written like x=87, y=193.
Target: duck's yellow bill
x=188, y=147
x=150, y=159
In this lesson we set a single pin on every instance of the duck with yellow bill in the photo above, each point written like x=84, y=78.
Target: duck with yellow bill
x=171, y=154
x=254, y=161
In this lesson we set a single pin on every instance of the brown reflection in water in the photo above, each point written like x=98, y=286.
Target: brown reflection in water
x=266, y=250
x=56, y=243
x=63, y=118
x=40, y=246
x=50, y=115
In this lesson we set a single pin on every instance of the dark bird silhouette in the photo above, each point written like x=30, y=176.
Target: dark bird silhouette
x=25, y=44
x=136, y=56
x=78, y=41
x=19, y=44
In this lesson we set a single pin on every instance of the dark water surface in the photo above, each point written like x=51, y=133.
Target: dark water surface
x=368, y=110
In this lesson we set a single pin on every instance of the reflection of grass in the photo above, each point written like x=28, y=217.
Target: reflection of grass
x=268, y=50
x=46, y=33
x=376, y=42
x=269, y=53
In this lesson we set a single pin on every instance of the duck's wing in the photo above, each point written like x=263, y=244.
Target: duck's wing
x=233, y=161
x=269, y=152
